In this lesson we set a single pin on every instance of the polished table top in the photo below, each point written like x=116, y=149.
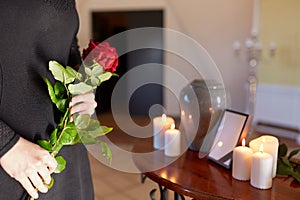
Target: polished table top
x=203, y=179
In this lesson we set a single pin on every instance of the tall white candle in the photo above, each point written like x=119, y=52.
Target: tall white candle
x=256, y=17
x=160, y=125
x=172, y=142
x=270, y=144
x=241, y=162
x=261, y=170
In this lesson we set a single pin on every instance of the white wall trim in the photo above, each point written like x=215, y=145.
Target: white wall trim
x=277, y=104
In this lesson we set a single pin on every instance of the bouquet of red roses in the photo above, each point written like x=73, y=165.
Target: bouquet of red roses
x=99, y=64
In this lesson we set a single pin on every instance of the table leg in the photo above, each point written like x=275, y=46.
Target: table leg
x=163, y=191
x=178, y=196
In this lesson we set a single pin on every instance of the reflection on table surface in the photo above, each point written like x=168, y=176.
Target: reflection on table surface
x=204, y=179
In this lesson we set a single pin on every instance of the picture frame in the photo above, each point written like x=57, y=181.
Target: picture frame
x=233, y=128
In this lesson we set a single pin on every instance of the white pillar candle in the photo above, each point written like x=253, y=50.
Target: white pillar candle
x=270, y=144
x=160, y=125
x=255, y=17
x=241, y=162
x=261, y=170
x=172, y=142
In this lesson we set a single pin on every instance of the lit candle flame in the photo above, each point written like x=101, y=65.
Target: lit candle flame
x=173, y=126
x=182, y=113
x=163, y=118
x=261, y=148
x=220, y=144
x=163, y=174
x=243, y=142
x=173, y=179
x=263, y=139
x=190, y=117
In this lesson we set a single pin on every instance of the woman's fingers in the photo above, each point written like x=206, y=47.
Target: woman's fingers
x=34, y=179
x=37, y=180
x=29, y=164
x=83, y=104
x=25, y=182
x=44, y=173
x=83, y=108
x=50, y=163
x=88, y=97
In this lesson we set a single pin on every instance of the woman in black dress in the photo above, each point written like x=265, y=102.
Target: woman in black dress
x=32, y=32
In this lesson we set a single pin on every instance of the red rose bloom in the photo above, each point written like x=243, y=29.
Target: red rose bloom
x=103, y=53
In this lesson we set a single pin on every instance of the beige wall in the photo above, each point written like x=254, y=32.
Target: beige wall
x=280, y=24
x=215, y=24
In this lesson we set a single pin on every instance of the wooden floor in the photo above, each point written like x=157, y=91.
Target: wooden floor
x=110, y=184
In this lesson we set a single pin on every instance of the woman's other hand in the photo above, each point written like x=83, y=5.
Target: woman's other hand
x=29, y=164
x=83, y=104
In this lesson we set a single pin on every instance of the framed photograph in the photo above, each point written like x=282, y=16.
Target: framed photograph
x=232, y=129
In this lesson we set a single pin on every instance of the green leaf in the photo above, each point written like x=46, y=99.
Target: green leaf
x=68, y=136
x=60, y=73
x=59, y=89
x=115, y=74
x=282, y=150
x=293, y=153
x=88, y=71
x=95, y=64
x=57, y=71
x=87, y=139
x=94, y=81
x=106, y=150
x=61, y=164
x=296, y=175
x=286, y=161
x=283, y=169
x=62, y=104
x=45, y=144
x=80, y=88
x=297, y=169
x=66, y=139
x=50, y=90
x=73, y=73
x=97, y=70
x=53, y=136
x=93, y=124
x=77, y=139
x=105, y=76
x=106, y=129
x=99, y=131
x=82, y=121
x=72, y=131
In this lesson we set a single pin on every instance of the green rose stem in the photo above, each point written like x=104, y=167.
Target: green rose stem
x=58, y=145
x=82, y=129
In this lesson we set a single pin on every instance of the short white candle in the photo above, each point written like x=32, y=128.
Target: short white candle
x=160, y=125
x=261, y=170
x=270, y=144
x=241, y=162
x=172, y=142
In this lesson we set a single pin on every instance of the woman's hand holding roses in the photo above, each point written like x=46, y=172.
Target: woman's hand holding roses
x=83, y=104
x=29, y=164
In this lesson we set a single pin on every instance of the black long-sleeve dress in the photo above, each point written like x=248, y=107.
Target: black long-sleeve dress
x=32, y=32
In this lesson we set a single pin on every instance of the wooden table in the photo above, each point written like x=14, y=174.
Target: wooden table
x=203, y=179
